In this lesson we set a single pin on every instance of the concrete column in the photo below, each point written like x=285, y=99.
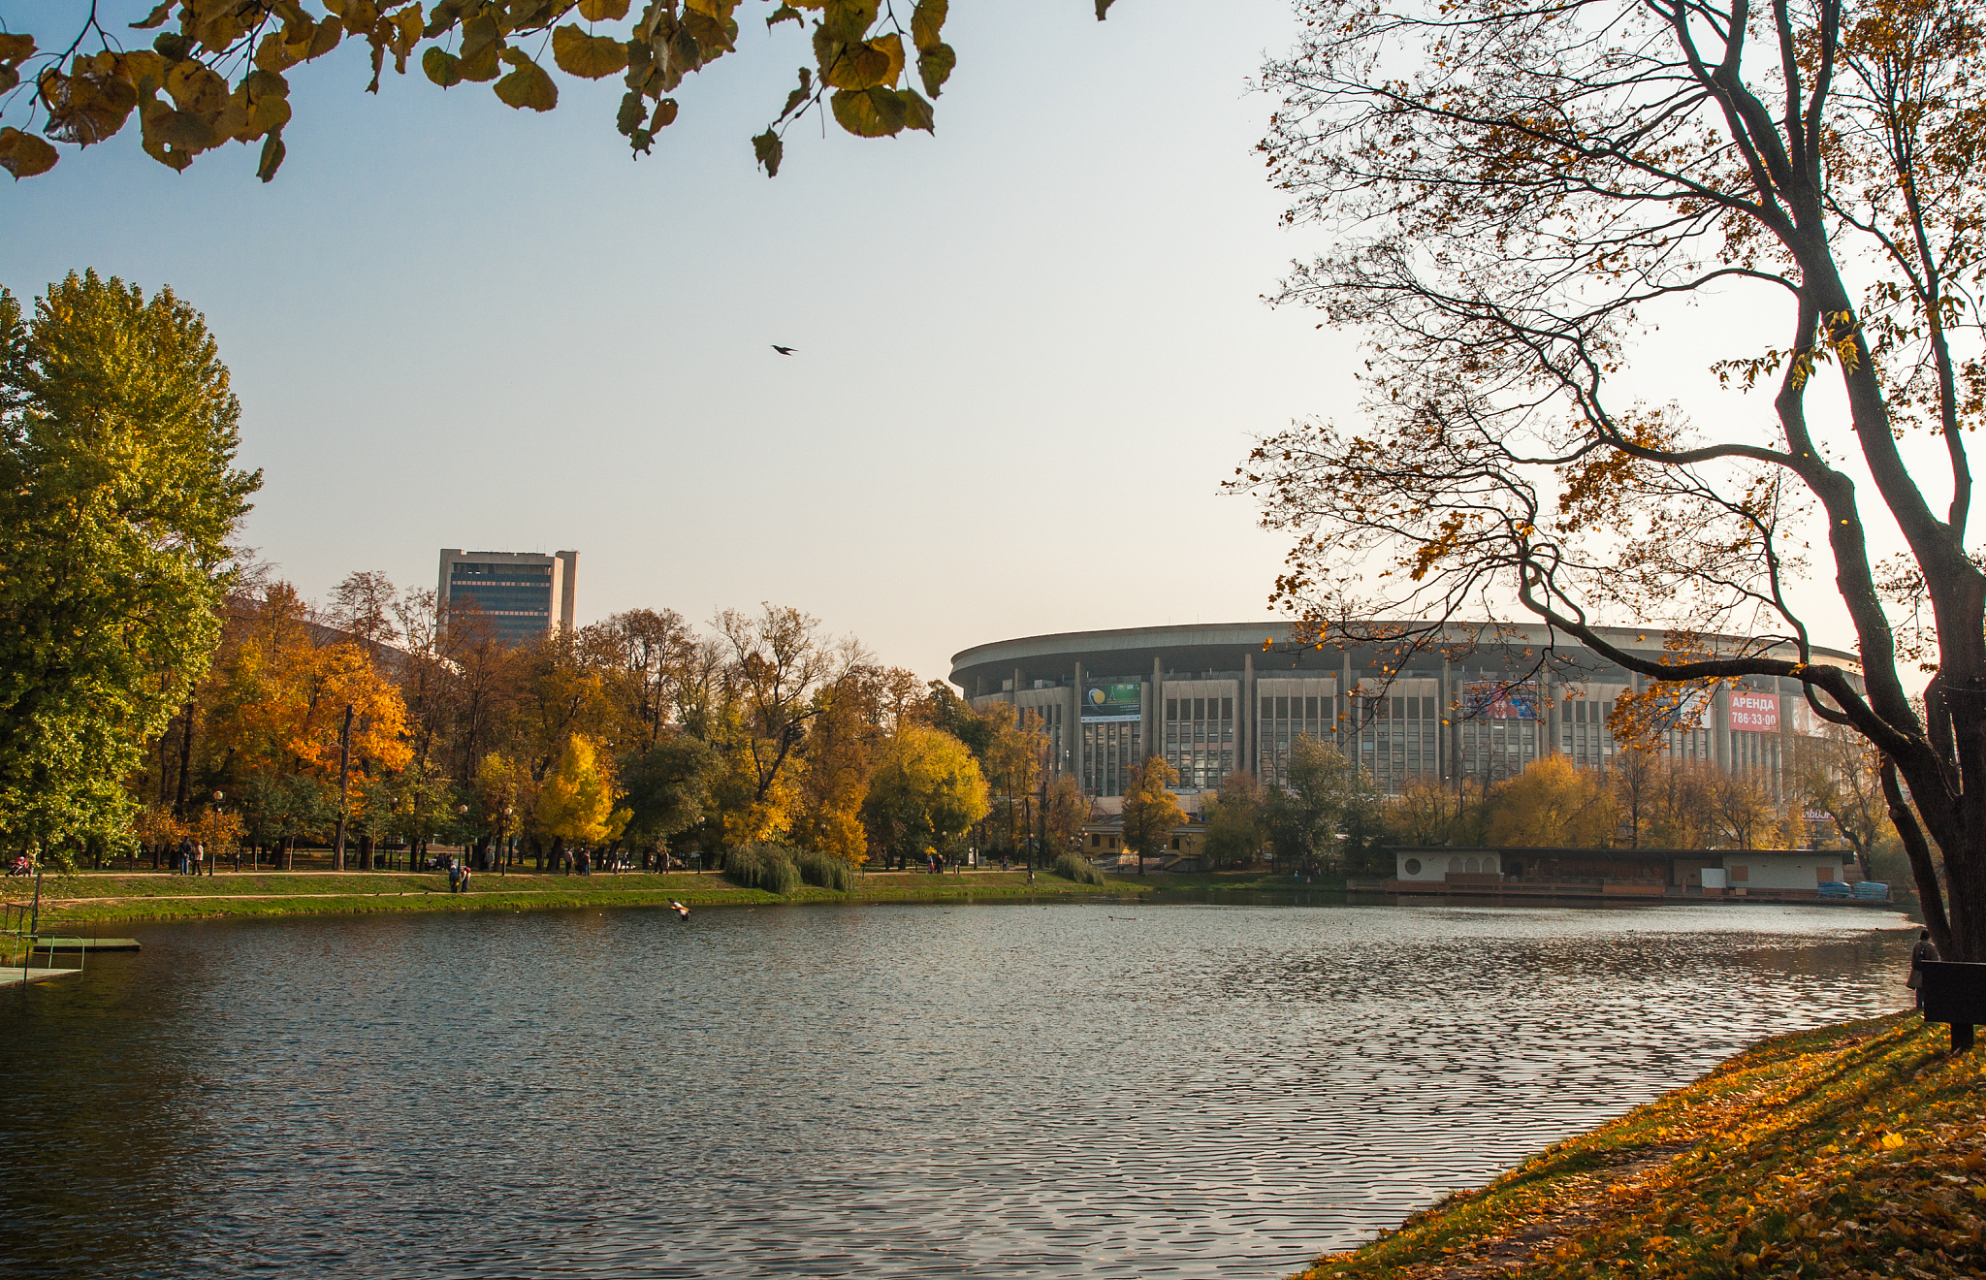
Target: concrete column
x=1017, y=694
x=1786, y=745
x=1246, y=749
x=1151, y=709
x=1720, y=728
x=1444, y=752
x=1076, y=731
x=1351, y=716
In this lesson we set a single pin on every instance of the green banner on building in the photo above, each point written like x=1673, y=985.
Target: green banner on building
x=1103, y=703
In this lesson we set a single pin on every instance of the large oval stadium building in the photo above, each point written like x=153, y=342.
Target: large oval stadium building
x=1217, y=698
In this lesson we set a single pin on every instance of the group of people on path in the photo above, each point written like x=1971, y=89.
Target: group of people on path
x=458, y=875
x=191, y=860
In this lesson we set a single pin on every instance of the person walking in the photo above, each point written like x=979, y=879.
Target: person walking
x=1925, y=950
x=185, y=857
x=199, y=859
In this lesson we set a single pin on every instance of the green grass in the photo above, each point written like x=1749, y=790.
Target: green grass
x=102, y=898
x=1855, y=1150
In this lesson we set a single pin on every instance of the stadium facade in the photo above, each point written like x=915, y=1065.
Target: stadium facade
x=1217, y=698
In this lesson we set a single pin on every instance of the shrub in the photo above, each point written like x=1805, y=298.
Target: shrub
x=762, y=866
x=1071, y=867
x=825, y=870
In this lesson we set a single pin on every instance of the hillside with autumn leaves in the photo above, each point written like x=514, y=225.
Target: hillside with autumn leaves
x=1852, y=1151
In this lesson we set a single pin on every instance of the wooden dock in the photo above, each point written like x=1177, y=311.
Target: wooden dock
x=85, y=944
x=18, y=975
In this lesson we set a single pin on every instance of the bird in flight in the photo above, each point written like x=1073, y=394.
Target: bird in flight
x=681, y=911
x=785, y=351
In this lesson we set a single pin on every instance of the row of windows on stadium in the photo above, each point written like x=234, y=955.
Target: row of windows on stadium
x=1578, y=710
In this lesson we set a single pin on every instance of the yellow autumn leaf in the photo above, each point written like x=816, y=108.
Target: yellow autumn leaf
x=869, y=113
x=603, y=10
x=24, y=155
x=195, y=89
x=891, y=47
x=527, y=85
x=853, y=65
x=590, y=57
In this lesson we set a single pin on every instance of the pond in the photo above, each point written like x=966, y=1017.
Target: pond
x=1102, y=1089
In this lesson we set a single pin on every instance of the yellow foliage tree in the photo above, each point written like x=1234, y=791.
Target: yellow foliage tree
x=926, y=793
x=281, y=698
x=1151, y=811
x=576, y=802
x=834, y=776
x=1553, y=804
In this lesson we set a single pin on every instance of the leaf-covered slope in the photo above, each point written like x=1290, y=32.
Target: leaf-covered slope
x=1854, y=1150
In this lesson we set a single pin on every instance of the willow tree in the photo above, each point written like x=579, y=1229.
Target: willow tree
x=1515, y=195
x=218, y=71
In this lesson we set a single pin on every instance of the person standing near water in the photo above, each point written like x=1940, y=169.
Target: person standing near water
x=1925, y=950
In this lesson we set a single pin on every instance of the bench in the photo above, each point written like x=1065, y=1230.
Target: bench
x=1955, y=992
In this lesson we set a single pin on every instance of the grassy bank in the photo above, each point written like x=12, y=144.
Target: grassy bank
x=92, y=900
x=1856, y=1150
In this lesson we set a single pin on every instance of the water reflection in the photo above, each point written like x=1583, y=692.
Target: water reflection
x=897, y=1091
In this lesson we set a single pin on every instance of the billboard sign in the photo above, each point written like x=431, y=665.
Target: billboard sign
x=1758, y=712
x=1492, y=700
x=1111, y=703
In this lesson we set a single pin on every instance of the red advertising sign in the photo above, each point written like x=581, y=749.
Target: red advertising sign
x=1758, y=712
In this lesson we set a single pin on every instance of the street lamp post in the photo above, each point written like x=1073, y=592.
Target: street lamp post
x=462, y=818
x=214, y=863
x=502, y=827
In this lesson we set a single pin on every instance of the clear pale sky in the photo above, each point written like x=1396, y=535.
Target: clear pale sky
x=1030, y=348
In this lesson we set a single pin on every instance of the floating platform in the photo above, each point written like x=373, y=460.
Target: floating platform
x=19, y=975
x=85, y=944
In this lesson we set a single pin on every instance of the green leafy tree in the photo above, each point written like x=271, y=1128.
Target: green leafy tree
x=1235, y=821
x=1151, y=810
x=1328, y=814
x=667, y=787
x=118, y=496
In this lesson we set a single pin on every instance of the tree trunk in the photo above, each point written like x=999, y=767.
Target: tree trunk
x=1923, y=870
x=185, y=758
x=344, y=789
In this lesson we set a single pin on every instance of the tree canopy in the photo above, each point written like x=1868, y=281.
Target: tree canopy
x=1515, y=197
x=218, y=71
x=1151, y=810
x=118, y=494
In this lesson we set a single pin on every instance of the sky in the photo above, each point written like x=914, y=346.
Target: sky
x=1029, y=349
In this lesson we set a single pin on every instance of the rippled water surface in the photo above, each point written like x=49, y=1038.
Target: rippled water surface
x=1011, y=1090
